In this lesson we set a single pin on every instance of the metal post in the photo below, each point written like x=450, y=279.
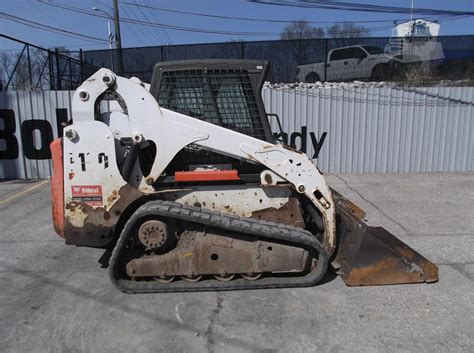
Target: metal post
x=81, y=58
x=29, y=65
x=242, y=51
x=118, y=37
x=70, y=73
x=14, y=69
x=40, y=77
x=50, y=64
x=300, y=54
x=326, y=61
x=58, y=70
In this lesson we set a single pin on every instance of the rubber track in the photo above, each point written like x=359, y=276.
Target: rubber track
x=263, y=229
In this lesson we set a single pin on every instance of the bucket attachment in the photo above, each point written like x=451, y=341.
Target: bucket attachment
x=368, y=256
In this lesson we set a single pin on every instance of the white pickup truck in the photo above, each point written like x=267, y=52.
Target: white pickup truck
x=348, y=63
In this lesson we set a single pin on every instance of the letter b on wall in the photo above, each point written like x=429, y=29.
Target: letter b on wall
x=36, y=135
x=8, y=141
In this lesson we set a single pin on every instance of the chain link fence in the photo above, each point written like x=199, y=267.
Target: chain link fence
x=310, y=60
x=429, y=61
x=31, y=67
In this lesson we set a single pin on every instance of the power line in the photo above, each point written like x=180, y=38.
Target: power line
x=43, y=50
x=189, y=29
x=360, y=7
x=78, y=46
x=161, y=25
x=152, y=31
x=252, y=19
x=157, y=31
x=136, y=30
x=157, y=19
x=128, y=11
x=47, y=28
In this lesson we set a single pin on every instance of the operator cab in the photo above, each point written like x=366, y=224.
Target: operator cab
x=227, y=93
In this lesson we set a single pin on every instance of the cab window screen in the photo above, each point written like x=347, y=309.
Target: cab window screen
x=221, y=97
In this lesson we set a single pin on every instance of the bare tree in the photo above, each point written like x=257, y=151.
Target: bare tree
x=344, y=34
x=15, y=70
x=301, y=30
x=347, y=30
x=22, y=73
x=35, y=68
x=302, y=43
x=5, y=64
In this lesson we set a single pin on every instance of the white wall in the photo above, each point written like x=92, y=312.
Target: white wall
x=369, y=129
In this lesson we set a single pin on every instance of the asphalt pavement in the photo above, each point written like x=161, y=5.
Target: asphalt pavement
x=57, y=298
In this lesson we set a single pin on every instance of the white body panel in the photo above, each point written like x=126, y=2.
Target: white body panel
x=171, y=132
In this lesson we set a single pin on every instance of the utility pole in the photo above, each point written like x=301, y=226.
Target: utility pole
x=118, y=37
x=111, y=39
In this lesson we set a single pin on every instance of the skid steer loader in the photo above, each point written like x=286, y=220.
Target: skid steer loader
x=183, y=180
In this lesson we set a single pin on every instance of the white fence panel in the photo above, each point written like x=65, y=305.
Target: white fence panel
x=380, y=129
x=368, y=129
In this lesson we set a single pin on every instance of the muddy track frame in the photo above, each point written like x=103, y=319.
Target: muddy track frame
x=265, y=230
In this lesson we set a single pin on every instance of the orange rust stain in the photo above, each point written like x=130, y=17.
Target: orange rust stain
x=112, y=197
x=430, y=269
x=341, y=201
x=291, y=149
x=387, y=271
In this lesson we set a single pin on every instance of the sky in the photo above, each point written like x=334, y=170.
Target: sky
x=136, y=35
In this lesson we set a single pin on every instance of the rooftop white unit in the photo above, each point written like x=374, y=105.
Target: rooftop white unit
x=416, y=28
x=415, y=41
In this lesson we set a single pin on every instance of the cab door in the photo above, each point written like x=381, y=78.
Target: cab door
x=362, y=66
x=334, y=65
x=342, y=65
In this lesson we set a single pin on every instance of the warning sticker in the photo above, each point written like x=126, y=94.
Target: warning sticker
x=89, y=194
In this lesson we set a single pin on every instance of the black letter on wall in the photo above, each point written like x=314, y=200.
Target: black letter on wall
x=27, y=131
x=61, y=117
x=8, y=135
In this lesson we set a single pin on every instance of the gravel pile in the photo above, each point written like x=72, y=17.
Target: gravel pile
x=363, y=84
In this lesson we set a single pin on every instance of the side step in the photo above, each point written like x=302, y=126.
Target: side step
x=368, y=256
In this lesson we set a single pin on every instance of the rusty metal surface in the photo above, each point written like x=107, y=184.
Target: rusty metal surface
x=153, y=233
x=200, y=253
x=94, y=226
x=372, y=256
x=348, y=204
x=271, y=203
x=289, y=213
